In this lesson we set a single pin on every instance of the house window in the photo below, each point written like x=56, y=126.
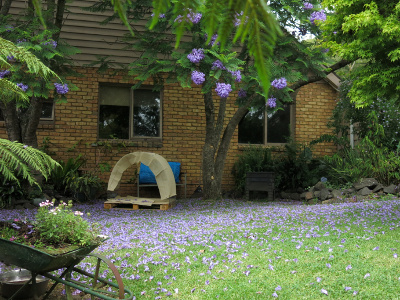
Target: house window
x=125, y=113
x=47, y=111
x=262, y=127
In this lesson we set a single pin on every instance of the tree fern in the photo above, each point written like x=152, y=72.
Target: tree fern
x=18, y=159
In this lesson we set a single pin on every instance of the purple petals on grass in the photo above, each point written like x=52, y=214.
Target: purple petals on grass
x=323, y=291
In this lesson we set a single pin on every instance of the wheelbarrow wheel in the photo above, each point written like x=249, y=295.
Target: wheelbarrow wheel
x=95, y=284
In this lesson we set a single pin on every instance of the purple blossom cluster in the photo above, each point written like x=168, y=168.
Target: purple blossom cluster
x=22, y=86
x=52, y=43
x=238, y=19
x=237, y=75
x=4, y=73
x=198, y=77
x=160, y=16
x=271, y=102
x=196, y=55
x=61, y=89
x=242, y=93
x=218, y=65
x=279, y=83
x=193, y=17
x=223, y=89
x=213, y=39
x=307, y=5
x=317, y=16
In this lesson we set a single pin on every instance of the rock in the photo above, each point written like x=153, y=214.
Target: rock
x=325, y=194
x=366, y=182
x=37, y=201
x=391, y=189
x=378, y=188
x=295, y=196
x=311, y=189
x=317, y=194
x=333, y=200
x=29, y=206
x=284, y=195
x=319, y=186
x=111, y=194
x=364, y=191
x=306, y=196
x=337, y=194
x=358, y=198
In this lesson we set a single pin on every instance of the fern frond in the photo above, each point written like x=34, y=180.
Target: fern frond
x=9, y=91
x=15, y=158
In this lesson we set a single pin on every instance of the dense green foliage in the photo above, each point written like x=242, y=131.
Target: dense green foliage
x=378, y=121
x=365, y=161
x=294, y=167
x=368, y=30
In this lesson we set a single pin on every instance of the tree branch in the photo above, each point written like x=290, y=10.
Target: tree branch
x=315, y=78
x=5, y=7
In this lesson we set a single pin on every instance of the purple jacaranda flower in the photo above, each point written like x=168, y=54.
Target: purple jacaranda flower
x=53, y=43
x=279, y=83
x=308, y=5
x=193, y=289
x=238, y=19
x=367, y=275
x=213, y=39
x=223, y=89
x=355, y=293
x=178, y=19
x=271, y=102
x=278, y=288
x=347, y=288
x=271, y=267
x=218, y=65
x=318, y=279
x=207, y=282
x=242, y=93
x=275, y=295
x=10, y=58
x=395, y=255
x=22, y=86
x=328, y=265
x=237, y=75
x=323, y=291
x=317, y=16
x=198, y=77
x=61, y=89
x=376, y=248
x=196, y=55
x=9, y=28
x=194, y=17
x=349, y=267
x=4, y=73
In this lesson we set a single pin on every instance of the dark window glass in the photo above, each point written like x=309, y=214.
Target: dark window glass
x=251, y=128
x=114, y=112
x=146, y=113
x=124, y=113
x=278, y=128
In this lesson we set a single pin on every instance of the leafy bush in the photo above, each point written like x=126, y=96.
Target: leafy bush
x=293, y=168
x=364, y=161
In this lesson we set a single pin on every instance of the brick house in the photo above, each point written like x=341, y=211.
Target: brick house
x=105, y=105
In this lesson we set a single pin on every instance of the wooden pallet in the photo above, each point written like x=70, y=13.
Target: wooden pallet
x=160, y=204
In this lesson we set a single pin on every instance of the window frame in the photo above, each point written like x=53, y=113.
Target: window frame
x=292, y=118
x=131, y=136
x=45, y=120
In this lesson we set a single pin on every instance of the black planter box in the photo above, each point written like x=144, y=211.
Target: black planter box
x=260, y=182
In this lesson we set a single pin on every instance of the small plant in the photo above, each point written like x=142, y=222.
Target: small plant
x=87, y=184
x=61, y=225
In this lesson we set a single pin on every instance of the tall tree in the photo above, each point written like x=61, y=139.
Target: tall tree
x=229, y=68
x=26, y=31
x=367, y=30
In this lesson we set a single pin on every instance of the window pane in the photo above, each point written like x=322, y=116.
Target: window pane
x=146, y=113
x=251, y=128
x=279, y=125
x=114, y=112
x=47, y=110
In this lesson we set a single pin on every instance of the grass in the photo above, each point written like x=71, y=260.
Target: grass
x=231, y=249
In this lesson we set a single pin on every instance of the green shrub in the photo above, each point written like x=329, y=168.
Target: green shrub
x=293, y=168
x=366, y=160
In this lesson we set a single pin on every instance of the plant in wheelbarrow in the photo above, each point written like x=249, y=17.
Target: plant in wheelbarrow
x=59, y=239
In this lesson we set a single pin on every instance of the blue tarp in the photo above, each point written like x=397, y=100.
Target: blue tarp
x=147, y=176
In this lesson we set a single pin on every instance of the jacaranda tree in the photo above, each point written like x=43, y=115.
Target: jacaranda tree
x=28, y=33
x=223, y=65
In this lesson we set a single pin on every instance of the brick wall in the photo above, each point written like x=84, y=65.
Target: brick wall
x=74, y=129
